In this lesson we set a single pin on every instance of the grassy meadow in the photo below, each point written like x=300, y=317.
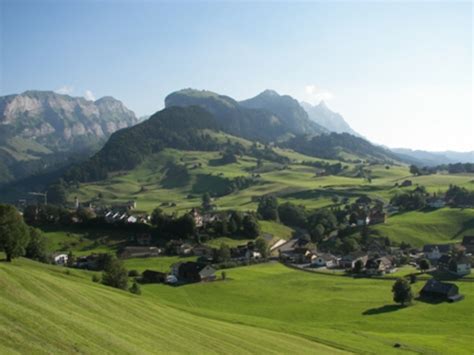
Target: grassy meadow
x=48, y=309
x=357, y=315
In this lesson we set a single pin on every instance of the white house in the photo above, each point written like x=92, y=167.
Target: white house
x=326, y=260
x=463, y=266
x=60, y=258
x=250, y=254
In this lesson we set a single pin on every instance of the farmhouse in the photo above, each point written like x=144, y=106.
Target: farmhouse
x=434, y=251
x=378, y=266
x=435, y=290
x=327, y=260
x=139, y=252
x=460, y=266
x=348, y=261
x=196, y=272
x=151, y=276
x=60, y=258
x=468, y=243
x=197, y=216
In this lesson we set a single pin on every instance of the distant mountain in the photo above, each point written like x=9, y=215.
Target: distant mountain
x=287, y=109
x=184, y=128
x=341, y=146
x=422, y=157
x=39, y=129
x=255, y=119
x=330, y=120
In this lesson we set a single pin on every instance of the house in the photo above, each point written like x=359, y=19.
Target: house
x=326, y=260
x=151, y=276
x=406, y=183
x=460, y=266
x=184, y=249
x=198, y=220
x=378, y=266
x=348, y=261
x=195, y=272
x=139, y=252
x=203, y=250
x=468, y=243
x=377, y=217
x=252, y=255
x=60, y=258
x=435, y=202
x=143, y=239
x=435, y=290
x=434, y=251
x=132, y=219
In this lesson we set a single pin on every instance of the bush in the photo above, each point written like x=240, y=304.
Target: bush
x=133, y=273
x=95, y=278
x=115, y=275
x=135, y=289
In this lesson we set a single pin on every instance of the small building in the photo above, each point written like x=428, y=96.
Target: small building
x=60, y=258
x=184, y=249
x=378, y=266
x=460, y=266
x=348, y=261
x=197, y=216
x=152, y=276
x=406, y=183
x=195, y=272
x=468, y=243
x=436, y=202
x=325, y=260
x=203, y=250
x=139, y=252
x=434, y=251
x=435, y=290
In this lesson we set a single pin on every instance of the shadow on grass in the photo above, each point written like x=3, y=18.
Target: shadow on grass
x=384, y=309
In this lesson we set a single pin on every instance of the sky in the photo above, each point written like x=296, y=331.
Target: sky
x=400, y=72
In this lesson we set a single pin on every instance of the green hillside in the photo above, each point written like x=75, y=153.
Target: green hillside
x=45, y=309
x=356, y=314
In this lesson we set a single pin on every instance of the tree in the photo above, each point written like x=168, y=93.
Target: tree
x=223, y=254
x=71, y=259
x=402, y=292
x=424, y=265
x=317, y=233
x=206, y=202
x=292, y=215
x=57, y=193
x=158, y=218
x=262, y=247
x=268, y=208
x=135, y=288
x=358, y=266
x=115, y=274
x=414, y=170
x=349, y=245
x=250, y=226
x=14, y=235
x=37, y=248
x=223, y=275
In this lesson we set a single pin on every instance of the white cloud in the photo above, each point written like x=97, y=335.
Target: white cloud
x=315, y=94
x=65, y=90
x=89, y=95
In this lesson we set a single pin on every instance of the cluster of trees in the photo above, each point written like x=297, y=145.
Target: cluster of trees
x=410, y=200
x=459, y=196
x=330, y=169
x=328, y=146
x=170, y=225
x=18, y=239
x=456, y=168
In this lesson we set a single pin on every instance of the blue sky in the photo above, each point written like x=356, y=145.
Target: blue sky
x=399, y=72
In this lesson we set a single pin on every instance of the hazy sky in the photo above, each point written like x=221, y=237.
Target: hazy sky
x=399, y=72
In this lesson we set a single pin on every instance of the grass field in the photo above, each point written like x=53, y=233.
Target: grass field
x=354, y=314
x=45, y=310
x=446, y=225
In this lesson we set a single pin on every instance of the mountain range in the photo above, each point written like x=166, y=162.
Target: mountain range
x=42, y=128
x=332, y=121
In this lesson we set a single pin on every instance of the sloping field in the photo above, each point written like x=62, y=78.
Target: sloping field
x=446, y=225
x=356, y=314
x=43, y=310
